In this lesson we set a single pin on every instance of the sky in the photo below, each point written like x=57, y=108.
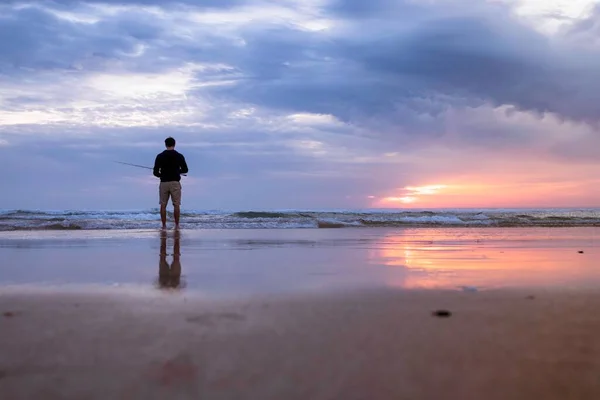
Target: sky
x=310, y=104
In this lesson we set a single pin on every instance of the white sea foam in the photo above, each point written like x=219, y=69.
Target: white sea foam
x=286, y=219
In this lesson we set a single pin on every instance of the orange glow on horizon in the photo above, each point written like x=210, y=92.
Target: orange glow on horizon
x=405, y=200
x=425, y=190
x=413, y=193
x=493, y=195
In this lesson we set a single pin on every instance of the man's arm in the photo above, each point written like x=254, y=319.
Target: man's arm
x=156, y=170
x=183, y=168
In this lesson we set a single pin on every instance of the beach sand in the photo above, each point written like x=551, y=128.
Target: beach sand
x=343, y=314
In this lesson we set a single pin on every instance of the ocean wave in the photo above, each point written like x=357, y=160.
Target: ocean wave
x=296, y=219
x=262, y=214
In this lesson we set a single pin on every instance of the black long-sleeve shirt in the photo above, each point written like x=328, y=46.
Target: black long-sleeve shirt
x=169, y=165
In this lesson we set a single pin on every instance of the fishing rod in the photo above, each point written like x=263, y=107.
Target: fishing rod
x=133, y=165
x=139, y=166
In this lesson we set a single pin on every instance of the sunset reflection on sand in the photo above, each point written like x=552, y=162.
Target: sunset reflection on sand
x=487, y=259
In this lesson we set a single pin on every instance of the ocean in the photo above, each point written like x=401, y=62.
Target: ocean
x=14, y=220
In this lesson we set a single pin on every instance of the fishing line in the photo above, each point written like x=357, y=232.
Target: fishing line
x=133, y=165
x=139, y=166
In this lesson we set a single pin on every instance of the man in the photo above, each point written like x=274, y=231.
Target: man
x=168, y=166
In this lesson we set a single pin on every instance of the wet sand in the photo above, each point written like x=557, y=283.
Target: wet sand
x=527, y=330
x=383, y=345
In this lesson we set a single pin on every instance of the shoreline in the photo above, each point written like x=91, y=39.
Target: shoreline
x=318, y=226
x=302, y=219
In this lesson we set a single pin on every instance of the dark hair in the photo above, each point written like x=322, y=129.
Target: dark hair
x=170, y=142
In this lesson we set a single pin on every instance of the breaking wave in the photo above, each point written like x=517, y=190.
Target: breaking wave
x=289, y=219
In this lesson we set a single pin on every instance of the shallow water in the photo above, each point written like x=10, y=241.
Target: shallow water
x=245, y=262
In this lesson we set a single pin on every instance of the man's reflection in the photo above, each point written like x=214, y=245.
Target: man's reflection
x=169, y=276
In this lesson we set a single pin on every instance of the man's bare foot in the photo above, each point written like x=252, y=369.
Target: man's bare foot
x=164, y=228
x=176, y=227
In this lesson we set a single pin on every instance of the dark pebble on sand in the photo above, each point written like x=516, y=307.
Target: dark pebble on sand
x=442, y=313
x=530, y=297
x=580, y=251
x=9, y=314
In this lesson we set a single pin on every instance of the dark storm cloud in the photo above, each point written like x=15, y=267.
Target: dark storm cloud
x=481, y=59
x=385, y=56
x=159, y=3
x=35, y=38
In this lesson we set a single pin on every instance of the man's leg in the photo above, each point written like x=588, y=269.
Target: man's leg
x=176, y=216
x=163, y=215
x=163, y=193
x=176, y=196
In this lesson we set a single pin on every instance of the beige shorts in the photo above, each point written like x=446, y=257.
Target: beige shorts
x=172, y=190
